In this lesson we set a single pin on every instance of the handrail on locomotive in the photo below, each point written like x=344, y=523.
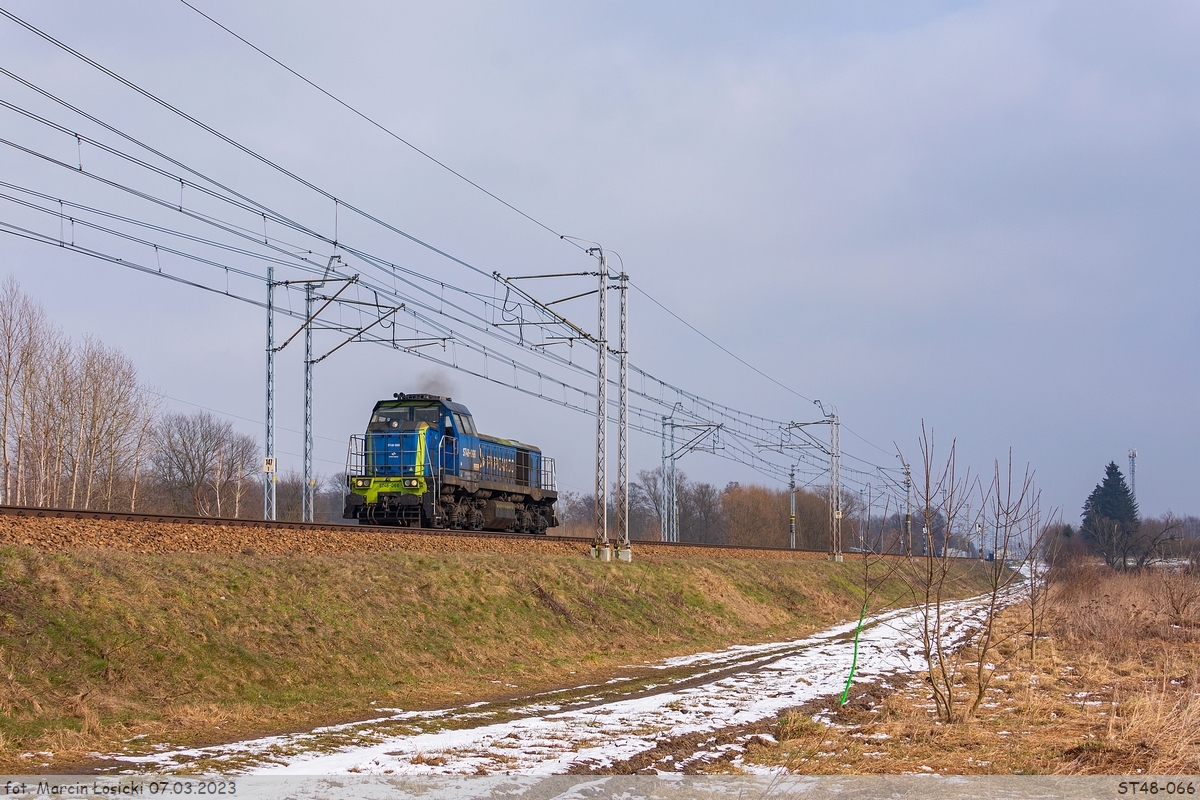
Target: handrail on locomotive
x=492, y=467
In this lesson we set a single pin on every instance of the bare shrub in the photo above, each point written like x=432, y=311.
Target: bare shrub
x=1178, y=596
x=1127, y=614
x=1114, y=612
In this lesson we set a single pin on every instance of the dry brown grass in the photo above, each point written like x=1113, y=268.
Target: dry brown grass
x=793, y=725
x=1115, y=689
x=102, y=646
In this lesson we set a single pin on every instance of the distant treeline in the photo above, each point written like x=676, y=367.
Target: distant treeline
x=747, y=515
x=737, y=514
x=757, y=516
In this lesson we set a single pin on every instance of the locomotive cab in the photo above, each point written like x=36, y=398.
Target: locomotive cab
x=422, y=463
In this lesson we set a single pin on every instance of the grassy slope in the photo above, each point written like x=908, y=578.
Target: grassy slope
x=100, y=646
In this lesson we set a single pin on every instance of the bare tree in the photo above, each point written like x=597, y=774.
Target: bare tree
x=242, y=468
x=74, y=418
x=143, y=436
x=575, y=511
x=289, y=489
x=942, y=501
x=1012, y=515
x=1008, y=519
x=49, y=402
x=701, y=518
x=201, y=462
x=646, y=498
x=21, y=327
x=110, y=401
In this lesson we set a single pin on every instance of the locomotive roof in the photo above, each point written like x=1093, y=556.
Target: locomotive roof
x=400, y=397
x=509, y=442
x=453, y=406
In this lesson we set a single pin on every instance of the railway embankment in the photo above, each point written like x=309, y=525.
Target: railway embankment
x=116, y=634
x=54, y=531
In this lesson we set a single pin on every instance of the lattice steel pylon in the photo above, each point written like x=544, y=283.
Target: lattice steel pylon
x=308, y=491
x=269, y=443
x=306, y=495
x=835, y=488
x=792, y=507
x=1133, y=474
x=670, y=455
x=624, y=551
x=834, y=452
x=907, y=545
x=600, y=544
x=670, y=525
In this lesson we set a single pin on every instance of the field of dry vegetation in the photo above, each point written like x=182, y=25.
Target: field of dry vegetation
x=1111, y=688
x=104, y=649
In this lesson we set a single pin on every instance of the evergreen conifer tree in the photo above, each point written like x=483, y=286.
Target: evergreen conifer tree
x=1110, y=517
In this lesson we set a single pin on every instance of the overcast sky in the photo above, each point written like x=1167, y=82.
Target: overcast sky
x=980, y=215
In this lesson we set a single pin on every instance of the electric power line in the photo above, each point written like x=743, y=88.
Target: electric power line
x=709, y=406
x=377, y=124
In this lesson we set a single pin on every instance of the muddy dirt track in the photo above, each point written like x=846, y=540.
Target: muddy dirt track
x=56, y=531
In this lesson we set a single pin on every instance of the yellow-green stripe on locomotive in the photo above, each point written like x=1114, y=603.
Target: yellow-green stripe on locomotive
x=422, y=463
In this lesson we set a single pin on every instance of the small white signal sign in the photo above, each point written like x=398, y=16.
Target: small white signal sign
x=269, y=465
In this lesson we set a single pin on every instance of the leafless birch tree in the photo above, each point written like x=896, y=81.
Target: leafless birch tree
x=72, y=417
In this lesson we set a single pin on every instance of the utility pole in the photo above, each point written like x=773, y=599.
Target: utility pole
x=624, y=551
x=269, y=443
x=1133, y=474
x=600, y=546
x=906, y=544
x=862, y=542
x=670, y=455
x=792, y=507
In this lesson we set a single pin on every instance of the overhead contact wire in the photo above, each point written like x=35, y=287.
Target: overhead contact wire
x=379, y=125
x=328, y=195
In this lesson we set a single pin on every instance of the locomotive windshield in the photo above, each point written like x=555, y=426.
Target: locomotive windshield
x=394, y=418
x=385, y=420
x=428, y=414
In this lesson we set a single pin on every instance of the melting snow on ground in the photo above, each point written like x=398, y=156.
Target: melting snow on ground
x=594, y=726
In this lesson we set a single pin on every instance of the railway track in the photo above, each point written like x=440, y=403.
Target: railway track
x=57, y=528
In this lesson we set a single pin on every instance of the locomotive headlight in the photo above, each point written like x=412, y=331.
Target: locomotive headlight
x=410, y=482
x=362, y=483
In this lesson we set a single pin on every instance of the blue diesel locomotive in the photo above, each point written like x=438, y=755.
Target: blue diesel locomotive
x=422, y=464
